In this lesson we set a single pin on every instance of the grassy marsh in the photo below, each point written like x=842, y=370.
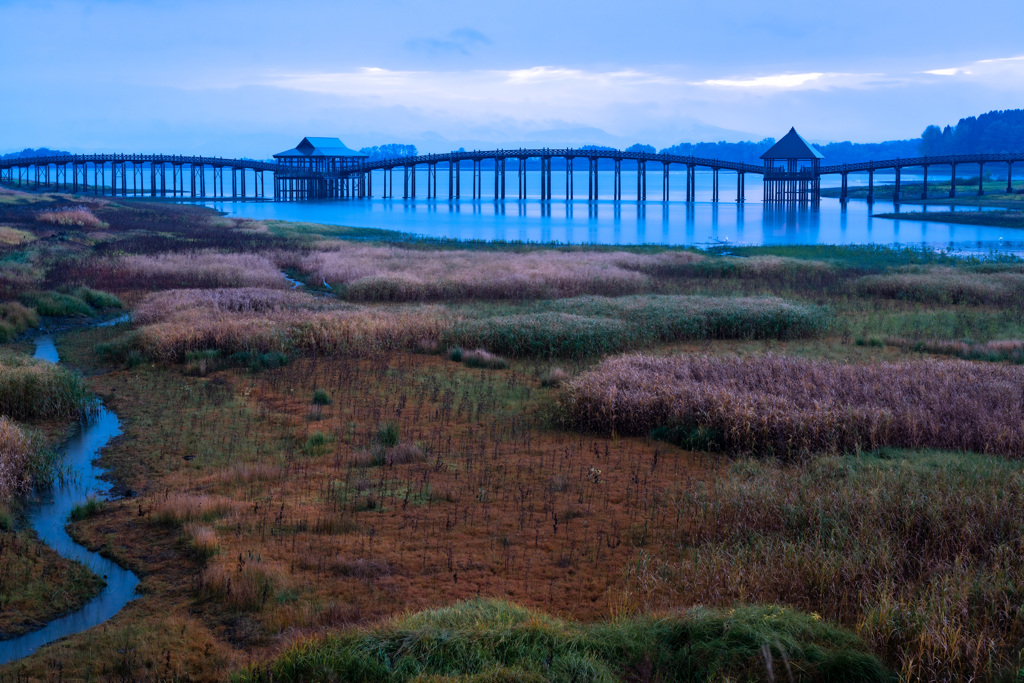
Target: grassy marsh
x=317, y=478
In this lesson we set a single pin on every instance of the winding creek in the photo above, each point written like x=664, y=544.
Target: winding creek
x=49, y=516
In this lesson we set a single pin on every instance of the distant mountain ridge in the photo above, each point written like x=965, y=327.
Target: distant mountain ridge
x=993, y=133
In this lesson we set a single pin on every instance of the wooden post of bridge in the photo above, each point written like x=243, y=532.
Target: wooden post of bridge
x=1009, y=177
x=871, y=186
x=664, y=180
x=924, y=185
x=981, y=178
x=952, y=178
x=896, y=191
x=714, y=184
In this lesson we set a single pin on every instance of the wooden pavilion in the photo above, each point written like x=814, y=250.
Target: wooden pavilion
x=792, y=171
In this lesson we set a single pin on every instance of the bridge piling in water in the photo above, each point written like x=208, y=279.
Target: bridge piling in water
x=355, y=179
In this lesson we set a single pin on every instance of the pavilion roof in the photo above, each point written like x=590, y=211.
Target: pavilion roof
x=792, y=146
x=320, y=147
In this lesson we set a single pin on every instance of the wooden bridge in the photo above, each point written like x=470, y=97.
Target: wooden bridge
x=202, y=178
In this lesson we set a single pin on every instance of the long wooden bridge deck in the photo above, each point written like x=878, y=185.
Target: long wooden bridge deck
x=198, y=177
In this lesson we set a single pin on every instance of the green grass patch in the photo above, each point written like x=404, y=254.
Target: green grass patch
x=57, y=304
x=491, y=640
x=589, y=326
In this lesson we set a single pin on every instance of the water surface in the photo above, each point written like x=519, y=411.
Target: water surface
x=49, y=516
x=676, y=222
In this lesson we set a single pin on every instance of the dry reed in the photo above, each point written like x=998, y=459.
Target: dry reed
x=790, y=407
x=201, y=269
x=15, y=458
x=68, y=216
x=371, y=273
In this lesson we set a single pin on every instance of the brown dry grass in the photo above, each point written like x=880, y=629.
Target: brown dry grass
x=68, y=216
x=791, y=407
x=15, y=457
x=201, y=269
x=371, y=273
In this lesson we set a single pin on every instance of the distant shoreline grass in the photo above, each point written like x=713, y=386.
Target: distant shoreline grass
x=999, y=219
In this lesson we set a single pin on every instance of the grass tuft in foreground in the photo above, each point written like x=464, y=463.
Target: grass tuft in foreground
x=491, y=640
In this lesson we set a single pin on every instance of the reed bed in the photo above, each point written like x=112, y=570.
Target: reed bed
x=254, y=322
x=783, y=407
x=370, y=273
x=492, y=640
x=16, y=451
x=32, y=389
x=198, y=269
x=161, y=306
x=69, y=216
x=946, y=286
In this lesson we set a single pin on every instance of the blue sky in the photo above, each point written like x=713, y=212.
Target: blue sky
x=251, y=78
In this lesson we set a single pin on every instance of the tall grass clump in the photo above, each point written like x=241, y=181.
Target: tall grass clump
x=199, y=269
x=34, y=389
x=371, y=273
x=16, y=451
x=775, y=406
x=57, y=304
x=673, y=318
x=15, y=318
x=590, y=326
x=940, y=285
x=262, y=321
x=71, y=216
x=491, y=640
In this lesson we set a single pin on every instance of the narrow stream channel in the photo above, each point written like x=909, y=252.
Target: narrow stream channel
x=49, y=516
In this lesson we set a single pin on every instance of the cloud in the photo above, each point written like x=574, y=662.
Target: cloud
x=999, y=72
x=802, y=81
x=458, y=41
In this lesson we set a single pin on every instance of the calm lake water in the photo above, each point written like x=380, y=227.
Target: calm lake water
x=676, y=222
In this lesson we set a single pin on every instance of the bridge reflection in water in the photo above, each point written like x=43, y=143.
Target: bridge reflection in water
x=203, y=178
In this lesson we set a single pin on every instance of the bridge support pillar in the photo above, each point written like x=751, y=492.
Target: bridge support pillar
x=549, y=179
x=871, y=186
x=924, y=185
x=714, y=184
x=981, y=178
x=570, y=177
x=952, y=180
x=897, y=191
x=617, y=181
x=741, y=180
x=1009, y=177
x=664, y=181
